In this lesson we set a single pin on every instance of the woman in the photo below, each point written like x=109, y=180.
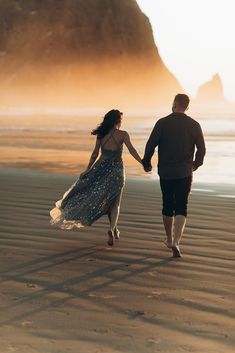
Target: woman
x=98, y=191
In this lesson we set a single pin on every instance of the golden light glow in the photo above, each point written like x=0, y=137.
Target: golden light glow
x=195, y=39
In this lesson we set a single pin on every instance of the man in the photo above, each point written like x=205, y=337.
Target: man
x=176, y=136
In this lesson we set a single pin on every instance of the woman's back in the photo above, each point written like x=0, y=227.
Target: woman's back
x=113, y=141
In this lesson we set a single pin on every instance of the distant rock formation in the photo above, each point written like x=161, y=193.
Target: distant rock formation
x=83, y=51
x=211, y=91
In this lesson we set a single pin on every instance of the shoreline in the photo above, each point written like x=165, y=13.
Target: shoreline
x=144, y=177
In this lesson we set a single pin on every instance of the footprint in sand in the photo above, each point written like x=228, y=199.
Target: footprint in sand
x=153, y=274
x=154, y=294
x=101, y=330
x=152, y=341
x=102, y=296
x=12, y=348
x=26, y=323
x=30, y=285
x=90, y=260
x=135, y=314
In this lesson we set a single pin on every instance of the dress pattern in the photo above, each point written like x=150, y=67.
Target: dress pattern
x=91, y=196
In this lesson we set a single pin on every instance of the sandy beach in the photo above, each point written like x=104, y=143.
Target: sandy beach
x=67, y=292
x=73, y=72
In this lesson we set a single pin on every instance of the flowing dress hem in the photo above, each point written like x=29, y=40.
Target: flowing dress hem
x=57, y=219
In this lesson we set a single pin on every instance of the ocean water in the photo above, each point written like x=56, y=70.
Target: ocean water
x=25, y=134
x=219, y=162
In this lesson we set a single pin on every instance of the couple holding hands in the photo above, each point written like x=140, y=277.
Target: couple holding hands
x=98, y=190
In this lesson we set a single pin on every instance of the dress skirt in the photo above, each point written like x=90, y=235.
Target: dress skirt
x=91, y=196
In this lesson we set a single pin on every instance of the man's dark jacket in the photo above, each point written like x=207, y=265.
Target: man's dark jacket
x=176, y=136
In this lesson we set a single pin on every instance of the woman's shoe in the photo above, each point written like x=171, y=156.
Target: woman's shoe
x=116, y=233
x=110, y=238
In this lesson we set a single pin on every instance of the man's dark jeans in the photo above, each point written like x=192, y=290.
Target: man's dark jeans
x=175, y=194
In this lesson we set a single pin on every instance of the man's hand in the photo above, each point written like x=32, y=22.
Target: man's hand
x=194, y=167
x=147, y=167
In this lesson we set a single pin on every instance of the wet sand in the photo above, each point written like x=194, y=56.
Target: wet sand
x=67, y=292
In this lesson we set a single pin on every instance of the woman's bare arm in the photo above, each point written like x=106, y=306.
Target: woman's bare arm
x=94, y=154
x=131, y=148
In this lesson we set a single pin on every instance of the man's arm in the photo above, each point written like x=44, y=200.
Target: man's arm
x=152, y=143
x=201, y=149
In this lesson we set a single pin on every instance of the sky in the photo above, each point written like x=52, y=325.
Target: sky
x=195, y=39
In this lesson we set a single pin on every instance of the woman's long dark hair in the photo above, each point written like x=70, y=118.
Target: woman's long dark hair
x=111, y=119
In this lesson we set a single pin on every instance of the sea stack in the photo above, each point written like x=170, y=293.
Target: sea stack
x=211, y=91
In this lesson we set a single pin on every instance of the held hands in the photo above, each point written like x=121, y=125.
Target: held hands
x=147, y=168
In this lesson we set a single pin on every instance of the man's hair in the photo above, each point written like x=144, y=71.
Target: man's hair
x=183, y=100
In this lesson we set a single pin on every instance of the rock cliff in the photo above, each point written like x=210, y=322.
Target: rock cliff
x=83, y=51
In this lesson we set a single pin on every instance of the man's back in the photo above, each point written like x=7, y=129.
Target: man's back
x=176, y=137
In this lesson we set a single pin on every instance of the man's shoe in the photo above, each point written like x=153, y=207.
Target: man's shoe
x=176, y=251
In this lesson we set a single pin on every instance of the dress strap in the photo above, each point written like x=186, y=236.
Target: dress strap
x=110, y=136
x=104, y=143
x=115, y=141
